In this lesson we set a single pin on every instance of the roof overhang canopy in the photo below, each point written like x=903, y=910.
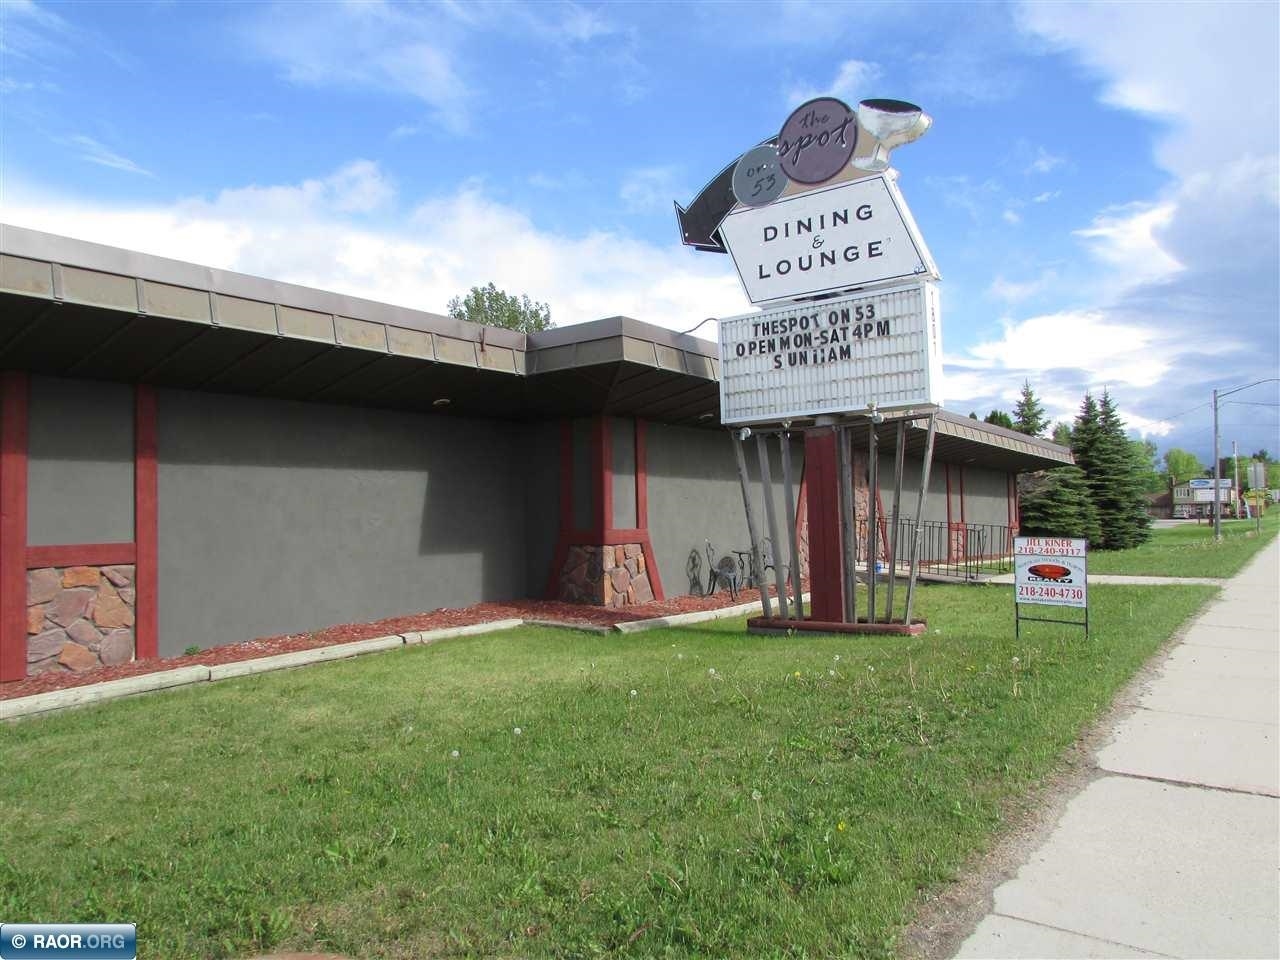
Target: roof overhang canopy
x=71, y=308
x=76, y=309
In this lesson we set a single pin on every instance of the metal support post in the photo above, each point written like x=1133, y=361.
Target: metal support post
x=873, y=490
x=745, y=481
x=848, y=528
x=898, y=458
x=766, y=488
x=789, y=494
x=925, y=468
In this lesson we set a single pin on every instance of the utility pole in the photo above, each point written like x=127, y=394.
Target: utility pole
x=1235, y=491
x=1217, y=475
x=1217, y=465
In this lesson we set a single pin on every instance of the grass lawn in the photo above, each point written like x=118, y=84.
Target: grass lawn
x=682, y=793
x=1189, y=550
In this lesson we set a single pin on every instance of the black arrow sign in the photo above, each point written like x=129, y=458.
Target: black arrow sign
x=700, y=223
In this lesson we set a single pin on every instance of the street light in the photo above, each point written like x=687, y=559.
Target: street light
x=1217, y=460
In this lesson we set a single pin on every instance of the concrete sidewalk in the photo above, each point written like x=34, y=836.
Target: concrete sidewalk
x=1174, y=851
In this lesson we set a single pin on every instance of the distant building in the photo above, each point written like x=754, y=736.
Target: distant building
x=1195, y=498
x=1160, y=505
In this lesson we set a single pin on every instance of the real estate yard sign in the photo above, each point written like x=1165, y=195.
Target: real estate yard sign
x=1052, y=571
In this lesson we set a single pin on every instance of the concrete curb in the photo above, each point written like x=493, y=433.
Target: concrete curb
x=300, y=658
x=99, y=692
x=566, y=625
x=444, y=633
x=700, y=616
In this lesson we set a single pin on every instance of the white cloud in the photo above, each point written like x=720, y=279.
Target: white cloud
x=313, y=233
x=1044, y=162
x=851, y=84
x=364, y=45
x=30, y=32
x=1011, y=217
x=1046, y=196
x=650, y=188
x=1209, y=68
x=1126, y=240
x=1083, y=340
x=95, y=152
x=582, y=26
x=1013, y=291
x=1185, y=295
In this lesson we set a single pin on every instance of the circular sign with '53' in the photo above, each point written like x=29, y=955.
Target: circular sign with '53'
x=817, y=140
x=758, y=178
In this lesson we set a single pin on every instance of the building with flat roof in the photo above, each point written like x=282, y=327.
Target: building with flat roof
x=194, y=457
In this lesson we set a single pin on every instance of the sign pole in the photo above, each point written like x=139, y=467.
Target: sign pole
x=745, y=481
x=873, y=490
x=793, y=567
x=899, y=454
x=766, y=488
x=925, y=468
x=849, y=548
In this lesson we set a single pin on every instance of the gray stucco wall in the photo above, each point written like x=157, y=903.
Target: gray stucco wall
x=584, y=487
x=277, y=517
x=694, y=495
x=622, y=433
x=80, y=468
x=935, y=505
x=986, y=496
x=541, y=469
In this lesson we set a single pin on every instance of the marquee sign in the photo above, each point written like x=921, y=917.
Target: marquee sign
x=832, y=356
x=851, y=235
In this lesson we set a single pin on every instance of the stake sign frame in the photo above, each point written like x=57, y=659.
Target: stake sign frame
x=1050, y=571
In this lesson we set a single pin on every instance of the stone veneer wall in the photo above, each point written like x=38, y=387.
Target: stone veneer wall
x=79, y=617
x=609, y=576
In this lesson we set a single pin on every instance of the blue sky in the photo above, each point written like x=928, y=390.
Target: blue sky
x=1099, y=187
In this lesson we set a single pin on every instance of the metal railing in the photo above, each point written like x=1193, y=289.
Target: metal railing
x=967, y=551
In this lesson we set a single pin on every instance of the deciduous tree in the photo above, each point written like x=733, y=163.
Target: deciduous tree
x=1181, y=465
x=496, y=308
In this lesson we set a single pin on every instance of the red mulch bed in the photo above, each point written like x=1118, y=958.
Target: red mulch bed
x=348, y=632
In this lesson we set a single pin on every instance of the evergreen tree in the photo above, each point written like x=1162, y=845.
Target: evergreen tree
x=1028, y=413
x=1104, y=453
x=1056, y=503
x=1062, y=434
x=999, y=418
x=973, y=415
x=1084, y=435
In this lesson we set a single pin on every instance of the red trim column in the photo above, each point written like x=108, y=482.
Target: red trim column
x=146, y=524
x=642, y=476
x=14, y=400
x=642, y=509
x=823, y=491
